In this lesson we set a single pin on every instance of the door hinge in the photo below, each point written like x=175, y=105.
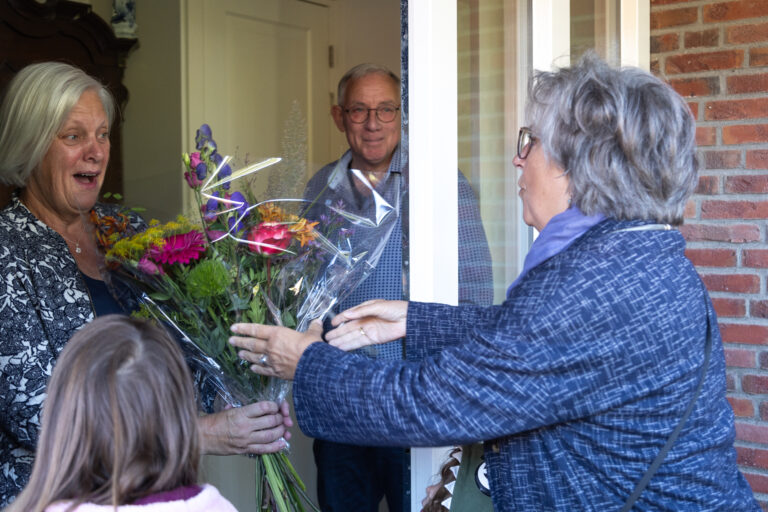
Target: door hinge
x=331, y=59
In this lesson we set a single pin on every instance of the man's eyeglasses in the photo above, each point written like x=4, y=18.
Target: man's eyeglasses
x=385, y=114
x=525, y=141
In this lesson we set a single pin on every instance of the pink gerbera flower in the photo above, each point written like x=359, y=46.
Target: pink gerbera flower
x=181, y=248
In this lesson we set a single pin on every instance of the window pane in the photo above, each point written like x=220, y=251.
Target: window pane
x=493, y=62
x=595, y=25
x=489, y=87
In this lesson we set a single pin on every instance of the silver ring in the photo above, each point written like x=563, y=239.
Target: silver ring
x=363, y=332
x=264, y=360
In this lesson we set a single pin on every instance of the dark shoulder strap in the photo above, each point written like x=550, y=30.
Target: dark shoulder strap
x=643, y=483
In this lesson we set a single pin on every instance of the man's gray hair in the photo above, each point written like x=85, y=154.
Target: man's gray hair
x=37, y=102
x=625, y=138
x=362, y=70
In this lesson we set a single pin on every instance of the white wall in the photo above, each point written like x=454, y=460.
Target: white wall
x=367, y=31
x=152, y=144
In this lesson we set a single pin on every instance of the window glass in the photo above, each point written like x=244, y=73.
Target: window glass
x=493, y=65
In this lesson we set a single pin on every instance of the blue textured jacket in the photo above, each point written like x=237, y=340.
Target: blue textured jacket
x=575, y=382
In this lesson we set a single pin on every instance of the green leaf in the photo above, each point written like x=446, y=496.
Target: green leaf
x=257, y=312
x=239, y=303
x=289, y=320
x=159, y=296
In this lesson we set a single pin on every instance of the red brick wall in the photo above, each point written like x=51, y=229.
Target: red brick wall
x=715, y=54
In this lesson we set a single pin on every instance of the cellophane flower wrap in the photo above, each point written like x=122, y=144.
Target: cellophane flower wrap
x=279, y=261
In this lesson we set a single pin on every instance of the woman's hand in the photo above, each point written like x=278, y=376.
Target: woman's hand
x=257, y=428
x=374, y=321
x=282, y=347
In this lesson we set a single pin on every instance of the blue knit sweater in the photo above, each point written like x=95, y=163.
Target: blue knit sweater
x=577, y=380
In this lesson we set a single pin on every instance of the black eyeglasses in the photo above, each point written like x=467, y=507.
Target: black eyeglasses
x=525, y=141
x=385, y=114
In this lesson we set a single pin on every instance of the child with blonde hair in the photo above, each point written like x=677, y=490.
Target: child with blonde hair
x=119, y=427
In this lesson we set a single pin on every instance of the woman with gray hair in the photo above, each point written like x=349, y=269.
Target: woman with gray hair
x=599, y=384
x=54, y=146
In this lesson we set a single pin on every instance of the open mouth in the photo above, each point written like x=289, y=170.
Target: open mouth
x=86, y=177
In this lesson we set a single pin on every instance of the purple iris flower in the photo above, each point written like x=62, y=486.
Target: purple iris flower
x=225, y=171
x=203, y=135
x=201, y=170
x=241, y=207
x=210, y=208
x=242, y=211
x=231, y=223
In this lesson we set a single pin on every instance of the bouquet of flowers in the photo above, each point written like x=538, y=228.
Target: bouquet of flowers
x=282, y=261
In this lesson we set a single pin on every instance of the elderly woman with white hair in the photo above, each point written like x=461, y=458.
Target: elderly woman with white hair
x=54, y=147
x=599, y=384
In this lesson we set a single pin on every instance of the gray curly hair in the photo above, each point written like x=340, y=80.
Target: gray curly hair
x=625, y=138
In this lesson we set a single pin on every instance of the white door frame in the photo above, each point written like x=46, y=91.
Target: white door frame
x=432, y=162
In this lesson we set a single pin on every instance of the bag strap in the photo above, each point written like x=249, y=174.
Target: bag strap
x=643, y=483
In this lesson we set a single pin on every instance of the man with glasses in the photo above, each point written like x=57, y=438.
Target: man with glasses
x=368, y=112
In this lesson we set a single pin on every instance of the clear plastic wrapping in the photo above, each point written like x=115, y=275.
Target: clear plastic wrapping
x=274, y=260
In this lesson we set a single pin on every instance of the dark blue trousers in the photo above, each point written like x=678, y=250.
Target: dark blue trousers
x=355, y=478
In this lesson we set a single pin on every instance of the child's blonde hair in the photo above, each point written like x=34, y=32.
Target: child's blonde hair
x=119, y=422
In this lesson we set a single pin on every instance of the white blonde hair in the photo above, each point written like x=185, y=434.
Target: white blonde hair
x=37, y=102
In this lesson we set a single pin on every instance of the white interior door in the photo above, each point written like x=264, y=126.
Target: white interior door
x=256, y=66
x=252, y=68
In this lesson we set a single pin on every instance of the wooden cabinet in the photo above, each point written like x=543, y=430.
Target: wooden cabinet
x=31, y=31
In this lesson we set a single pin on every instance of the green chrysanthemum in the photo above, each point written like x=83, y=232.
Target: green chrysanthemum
x=208, y=279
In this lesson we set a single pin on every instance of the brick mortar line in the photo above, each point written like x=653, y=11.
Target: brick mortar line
x=694, y=3
x=710, y=123
x=720, y=47
x=729, y=172
x=712, y=244
x=727, y=96
x=758, y=322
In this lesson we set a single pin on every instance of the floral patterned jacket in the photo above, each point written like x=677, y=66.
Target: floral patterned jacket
x=43, y=301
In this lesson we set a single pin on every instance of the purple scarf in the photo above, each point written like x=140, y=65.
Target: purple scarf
x=561, y=231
